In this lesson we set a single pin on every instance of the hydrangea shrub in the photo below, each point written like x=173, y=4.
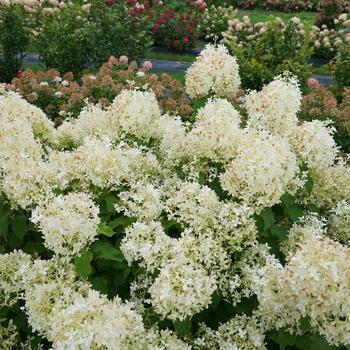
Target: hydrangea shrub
x=132, y=229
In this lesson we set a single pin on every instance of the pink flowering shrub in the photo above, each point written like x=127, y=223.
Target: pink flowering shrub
x=176, y=24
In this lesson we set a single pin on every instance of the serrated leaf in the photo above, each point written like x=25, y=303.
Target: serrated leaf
x=182, y=327
x=19, y=225
x=104, y=229
x=82, y=264
x=105, y=250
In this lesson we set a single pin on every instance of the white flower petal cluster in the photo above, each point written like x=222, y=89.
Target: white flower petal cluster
x=315, y=284
x=181, y=290
x=275, y=107
x=92, y=121
x=136, y=113
x=263, y=171
x=216, y=133
x=68, y=223
x=330, y=186
x=142, y=201
x=310, y=226
x=339, y=222
x=215, y=71
x=241, y=332
x=148, y=244
x=13, y=107
x=10, y=278
x=314, y=144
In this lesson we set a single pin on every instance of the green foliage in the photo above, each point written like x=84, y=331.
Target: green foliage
x=272, y=53
x=341, y=67
x=14, y=38
x=73, y=40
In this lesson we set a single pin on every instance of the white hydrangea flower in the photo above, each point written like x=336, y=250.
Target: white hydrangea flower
x=215, y=71
x=263, y=171
x=275, y=107
x=241, y=332
x=181, y=290
x=68, y=223
x=13, y=107
x=339, y=222
x=26, y=181
x=194, y=205
x=314, y=144
x=142, y=201
x=314, y=283
x=307, y=227
x=94, y=162
x=92, y=121
x=330, y=186
x=216, y=131
x=148, y=244
x=10, y=276
x=135, y=112
x=92, y=321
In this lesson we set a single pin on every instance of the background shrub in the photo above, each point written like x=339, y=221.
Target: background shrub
x=176, y=25
x=329, y=11
x=269, y=50
x=77, y=37
x=14, y=39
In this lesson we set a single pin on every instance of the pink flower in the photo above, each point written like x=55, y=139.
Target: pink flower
x=153, y=77
x=112, y=60
x=313, y=83
x=123, y=59
x=147, y=65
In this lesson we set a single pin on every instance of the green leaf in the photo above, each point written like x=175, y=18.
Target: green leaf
x=268, y=217
x=279, y=231
x=285, y=339
x=4, y=218
x=105, y=250
x=104, y=229
x=215, y=299
x=319, y=343
x=100, y=284
x=121, y=277
x=309, y=184
x=19, y=225
x=120, y=222
x=110, y=201
x=295, y=213
x=287, y=200
x=82, y=264
x=34, y=247
x=182, y=327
